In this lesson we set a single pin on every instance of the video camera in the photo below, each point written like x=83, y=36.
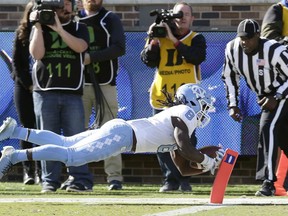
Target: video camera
x=164, y=16
x=46, y=10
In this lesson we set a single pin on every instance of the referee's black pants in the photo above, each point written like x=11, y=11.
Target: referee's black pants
x=273, y=134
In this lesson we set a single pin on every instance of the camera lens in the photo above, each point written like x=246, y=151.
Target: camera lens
x=161, y=31
x=46, y=16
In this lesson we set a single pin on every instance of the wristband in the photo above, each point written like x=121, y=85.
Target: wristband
x=206, y=160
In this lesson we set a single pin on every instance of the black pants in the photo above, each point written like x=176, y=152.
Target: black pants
x=273, y=133
x=170, y=172
x=23, y=101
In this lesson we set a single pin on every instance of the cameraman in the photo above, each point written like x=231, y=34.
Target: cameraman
x=177, y=58
x=58, y=85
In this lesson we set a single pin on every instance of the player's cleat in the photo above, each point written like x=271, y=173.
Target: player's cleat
x=7, y=128
x=169, y=187
x=185, y=187
x=77, y=187
x=28, y=179
x=115, y=185
x=267, y=189
x=48, y=188
x=5, y=161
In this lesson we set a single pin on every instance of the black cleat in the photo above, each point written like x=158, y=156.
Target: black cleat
x=267, y=189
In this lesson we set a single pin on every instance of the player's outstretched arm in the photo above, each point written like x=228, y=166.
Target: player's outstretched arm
x=213, y=158
x=187, y=153
x=185, y=148
x=183, y=165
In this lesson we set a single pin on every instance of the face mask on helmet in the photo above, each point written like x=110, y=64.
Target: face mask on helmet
x=198, y=99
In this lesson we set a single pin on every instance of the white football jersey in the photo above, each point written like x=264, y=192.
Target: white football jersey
x=156, y=133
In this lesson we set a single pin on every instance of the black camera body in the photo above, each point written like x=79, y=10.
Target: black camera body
x=166, y=16
x=46, y=10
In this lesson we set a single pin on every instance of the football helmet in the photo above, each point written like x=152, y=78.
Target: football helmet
x=197, y=98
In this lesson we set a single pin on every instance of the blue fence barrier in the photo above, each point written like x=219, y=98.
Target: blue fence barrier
x=135, y=78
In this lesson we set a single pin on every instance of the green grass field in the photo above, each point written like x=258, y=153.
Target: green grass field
x=17, y=199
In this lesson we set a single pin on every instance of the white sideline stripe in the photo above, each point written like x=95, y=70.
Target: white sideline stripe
x=183, y=211
x=147, y=201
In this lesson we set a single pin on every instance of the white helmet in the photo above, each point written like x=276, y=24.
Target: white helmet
x=198, y=99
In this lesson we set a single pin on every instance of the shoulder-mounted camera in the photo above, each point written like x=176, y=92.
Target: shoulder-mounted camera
x=46, y=10
x=166, y=16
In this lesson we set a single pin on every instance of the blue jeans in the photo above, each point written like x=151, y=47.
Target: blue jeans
x=61, y=113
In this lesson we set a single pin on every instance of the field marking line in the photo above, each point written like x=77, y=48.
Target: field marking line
x=153, y=201
x=197, y=204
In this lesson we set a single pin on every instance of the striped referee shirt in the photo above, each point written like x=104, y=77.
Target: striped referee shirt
x=265, y=72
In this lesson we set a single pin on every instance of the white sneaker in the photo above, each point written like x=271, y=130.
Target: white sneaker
x=7, y=128
x=5, y=160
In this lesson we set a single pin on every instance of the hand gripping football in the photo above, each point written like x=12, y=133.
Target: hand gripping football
x=208, y=150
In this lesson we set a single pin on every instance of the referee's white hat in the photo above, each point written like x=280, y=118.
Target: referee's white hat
x=248, y=28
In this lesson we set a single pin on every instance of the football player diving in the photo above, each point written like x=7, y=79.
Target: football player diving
x=172, y=127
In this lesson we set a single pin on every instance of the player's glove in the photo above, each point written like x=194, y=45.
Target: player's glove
x=220, y=154
x=209, y=164
x=212, y=163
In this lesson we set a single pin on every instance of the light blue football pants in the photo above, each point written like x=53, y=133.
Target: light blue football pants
x=114, y=137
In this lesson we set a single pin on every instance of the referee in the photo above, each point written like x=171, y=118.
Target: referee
x=263, y=65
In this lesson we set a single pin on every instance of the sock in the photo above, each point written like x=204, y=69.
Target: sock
x=45, y=152
x=19, y=156
x=19, y=133
x=39, y=137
